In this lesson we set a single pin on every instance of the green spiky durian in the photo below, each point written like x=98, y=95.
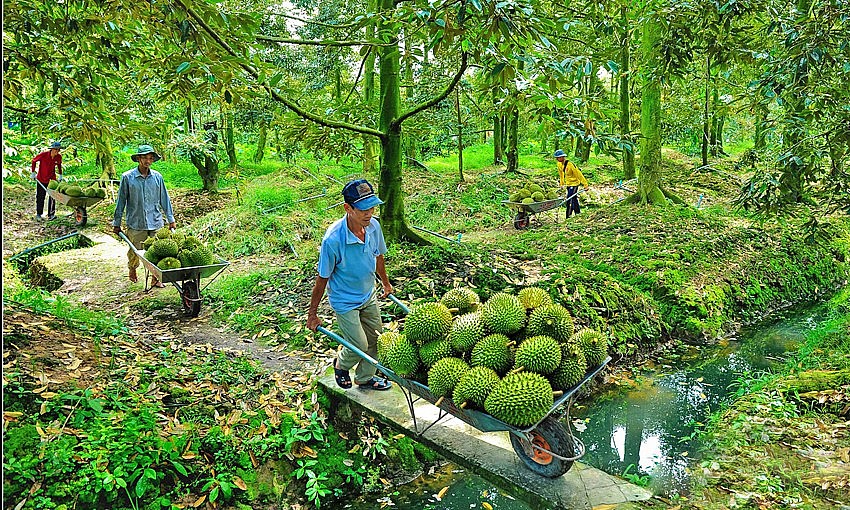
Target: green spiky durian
x=493, y=352
x=551, y=320
x=444, y=376
x=398, y=354
x=538, y=196
x=74, y=191
x=572, y=368
x=515, y=197
x=534, y=297
x=540, y=354
x=474, y=386
x=427, y=322
x=202, y=256
x=53, y=184
x=551, y=195
x=534, y=188
x=164, y=248
x=465, y=300
x=186, y=259
x=147, y=243
x=528, y=200
x=163, y=233
x=90, y=192
x=594, y=345
x=101, y=192
x=520, y=399
x=434, y=351
x=178, y=237
x=466, y=331
x=503, y=313
x=524, y=193
x=167, y=263
x=190, y=243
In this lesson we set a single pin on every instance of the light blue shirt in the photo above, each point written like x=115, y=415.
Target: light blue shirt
x=145, y=199
x=349, y=264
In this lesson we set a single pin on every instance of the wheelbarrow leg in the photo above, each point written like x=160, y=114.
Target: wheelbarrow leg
x=81, y=216
x=191, y=296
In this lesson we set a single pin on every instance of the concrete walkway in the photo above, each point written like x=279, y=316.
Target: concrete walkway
x=490, y=454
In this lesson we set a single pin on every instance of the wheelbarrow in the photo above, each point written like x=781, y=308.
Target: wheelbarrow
x=547, y=448
x=187, y=280
x=525, y=212
x=79, y=204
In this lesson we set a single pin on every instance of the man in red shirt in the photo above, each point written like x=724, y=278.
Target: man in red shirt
x=49, y=168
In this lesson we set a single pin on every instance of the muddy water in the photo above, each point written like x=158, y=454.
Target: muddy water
x=645, y=432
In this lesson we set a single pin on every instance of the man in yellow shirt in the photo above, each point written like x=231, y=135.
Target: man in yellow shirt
x=570, y=176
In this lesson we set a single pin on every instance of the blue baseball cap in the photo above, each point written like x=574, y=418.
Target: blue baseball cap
x=56, y=145
x=360, y=195
x=559, y=153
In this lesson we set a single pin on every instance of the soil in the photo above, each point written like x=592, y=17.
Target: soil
x=97, y=277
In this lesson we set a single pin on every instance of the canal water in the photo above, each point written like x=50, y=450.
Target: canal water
x=644, y=430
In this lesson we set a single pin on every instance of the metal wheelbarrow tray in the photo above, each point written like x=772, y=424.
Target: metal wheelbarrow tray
x=522, y=219
x=548, y=447
x=79, y=204
x=187, y=280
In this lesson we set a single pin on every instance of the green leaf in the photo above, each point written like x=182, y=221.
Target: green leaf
x=214, y=495
x=180, y=469
x=141, y=487
x=150, y=473
x=226, y=489
x=96, y=404
x=184, y=67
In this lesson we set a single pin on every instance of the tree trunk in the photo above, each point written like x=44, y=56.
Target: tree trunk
x=625, y=99
x=411, y=146
x=649, y=180
x=459, y=136
x=370, y=157
x=513, y=128
x=497, y=134
x=706, y=119
x=190, y=122
x=229, y=144
x=712, y=140
x=105, y=158
x=261, y=141
x=760, y=137
x=392, y=212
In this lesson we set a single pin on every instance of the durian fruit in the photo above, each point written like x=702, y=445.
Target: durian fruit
x=100, y=192
x=147, y=243
x=466, y=331
x=528, y=200
x=593, y=344
x=190, y=243
x=202, y=256
x=398, y=354
x=538, y=196
x=382, y=342
x=503, y=313
x=520, y=399
x=163, y=233
x=551, y=194
x=164, y=248
x=167, y=263
x=53, y=184
x=540, y=354
x=90, y=192
x=534, y=297
x=571, y=369
x=474, y=386
x=534, y=188
x=465, y=300
x=493, y=352
x=551, y=320
x=178, y=237
x=73, y=191
x=523, y=194
x=434, y=351
x=427, y=322
x=444, y=376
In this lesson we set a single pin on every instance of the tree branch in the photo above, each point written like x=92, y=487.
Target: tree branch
x=310, y=42
x=289, y=103
x=444, y=94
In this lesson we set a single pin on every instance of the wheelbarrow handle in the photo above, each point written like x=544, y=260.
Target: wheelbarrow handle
x=342, y=341
x=401, y=305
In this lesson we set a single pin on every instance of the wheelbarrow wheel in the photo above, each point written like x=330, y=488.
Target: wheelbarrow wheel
x=81, y=216
x=522, y=220
x=548, y=435
x=191, y=298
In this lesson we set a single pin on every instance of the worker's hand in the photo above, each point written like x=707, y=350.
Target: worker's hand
x=587, y=188
x=116, y=229
x=33, y=175
x=172, y=225
x=59, y=178
x=313, y=321
x=388, y=289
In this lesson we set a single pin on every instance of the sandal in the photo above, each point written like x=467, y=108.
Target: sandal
x=376, y=383
x=133, y=276
x=156, y=283
x=343, y=380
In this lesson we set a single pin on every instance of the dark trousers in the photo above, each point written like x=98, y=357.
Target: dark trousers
x=40, y=193
x=572, y=203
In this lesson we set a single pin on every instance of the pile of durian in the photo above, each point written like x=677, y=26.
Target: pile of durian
x=506, y=356
x=531, y=193
x=73, y=190
x=173, y=250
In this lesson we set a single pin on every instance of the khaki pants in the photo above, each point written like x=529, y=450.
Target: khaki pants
x=137, y=237
x=361, y=327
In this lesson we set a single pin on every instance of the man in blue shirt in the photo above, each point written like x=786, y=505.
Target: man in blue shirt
x=352, y=252
x=142, y=192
